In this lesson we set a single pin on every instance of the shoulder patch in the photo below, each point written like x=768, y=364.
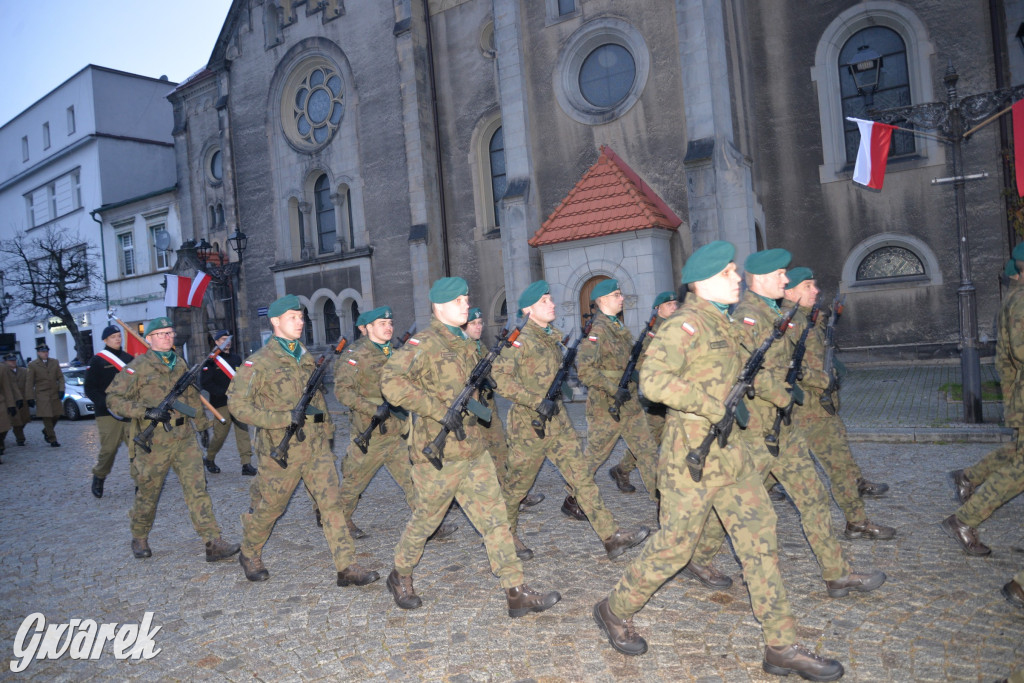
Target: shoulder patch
x=592, y=337
x=650, y=334
x=248, y=363
x=353, y=361
x=516, y=343
x=791, y=325
x=689, y=329
x=129, y=371
x=749, y=321
x=414, y=341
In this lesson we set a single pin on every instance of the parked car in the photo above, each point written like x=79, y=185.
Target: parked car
x=76, y=404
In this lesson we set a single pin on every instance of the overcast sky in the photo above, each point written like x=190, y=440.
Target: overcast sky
x=42, y=44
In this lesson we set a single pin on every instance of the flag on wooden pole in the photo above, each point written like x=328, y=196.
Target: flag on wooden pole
x=873, y=153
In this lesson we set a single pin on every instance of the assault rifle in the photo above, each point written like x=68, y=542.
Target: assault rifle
x=548, y=407
x=744, y=386
x=826, y=400
x=162, y=412
x=795, y=373
x=378, y=420
x=397, y=343
x=622, y=392
x=316, y=380
x=480, y=376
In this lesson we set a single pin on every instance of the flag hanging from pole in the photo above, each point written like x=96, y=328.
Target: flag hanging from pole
x=133, y=343
x=1018, y=145
x=184, y=292
x=873, y=153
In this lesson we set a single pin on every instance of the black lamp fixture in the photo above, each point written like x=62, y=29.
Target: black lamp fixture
x=865, y=68
x=238, y=241
x=203, y=248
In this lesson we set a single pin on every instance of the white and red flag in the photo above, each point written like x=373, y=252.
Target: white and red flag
x=873, y=153
x=224, y=366
x=184, y=292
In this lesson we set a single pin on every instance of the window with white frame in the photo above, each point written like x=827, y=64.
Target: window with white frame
x=160, y=239
x=126, y=253
x=54, y=199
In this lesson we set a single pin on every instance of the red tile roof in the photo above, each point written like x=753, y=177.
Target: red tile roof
x=610, y=198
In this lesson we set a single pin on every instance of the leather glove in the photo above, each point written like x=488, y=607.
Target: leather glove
x=12, y=411
x=742, y=414
x=20, y=404
x=622, y=396
x=798, y=394
x=298, y=417
x=158, y=415
x=31, y=403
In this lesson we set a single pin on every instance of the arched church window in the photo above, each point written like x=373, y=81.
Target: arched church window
x=499, y=181
x=889, y=262
x=332, y=323
x=326, y=228
x=307, y=327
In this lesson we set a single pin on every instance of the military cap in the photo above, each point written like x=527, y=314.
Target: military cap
x=157, y=324
x=11, y=356
x=767, y=261
x=217, y=334
x=664, y=297
x=109, y=330
x=1018, y=252
x=288, y=302
x=474, y=314
x=604, y=288
x=1010, y=269
x=447, y=289
x=533, y=293
x=708, y=261
x=798, y=275
x=376, y=314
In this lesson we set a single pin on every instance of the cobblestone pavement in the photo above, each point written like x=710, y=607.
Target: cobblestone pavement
x=940, y=616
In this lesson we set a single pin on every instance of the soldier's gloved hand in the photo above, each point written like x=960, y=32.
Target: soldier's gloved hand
x=20, y=404
x=798, y=394
x=158, y=415
x=742, y=414
x=31, y=403
x=622, y=396
x=298, y=416
x=453, y=422
x=12, y=411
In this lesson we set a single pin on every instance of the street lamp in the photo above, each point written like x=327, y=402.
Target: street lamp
x=226, y=272
x=949, y=118
x=865, y=67
x=5, y=303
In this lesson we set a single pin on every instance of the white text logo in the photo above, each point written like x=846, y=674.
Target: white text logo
x=82, y=639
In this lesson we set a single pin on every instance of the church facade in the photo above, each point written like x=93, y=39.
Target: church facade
x=367, y=149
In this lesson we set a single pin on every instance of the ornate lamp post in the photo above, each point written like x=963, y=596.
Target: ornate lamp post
x=951, y=118
x=226, y=273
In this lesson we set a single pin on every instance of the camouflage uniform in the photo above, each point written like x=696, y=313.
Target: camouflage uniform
x=600, y=364
x=19, y=377
x=45, y=386
x=266, y=388
x=524, y=373
x=793, y=467
x=655, y=411
x=143, y=384
x=357, y=385
x=424, y=376
x=494, y=437
x=690, y=367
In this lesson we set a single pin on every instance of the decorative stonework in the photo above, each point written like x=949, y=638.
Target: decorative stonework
x=312, y=104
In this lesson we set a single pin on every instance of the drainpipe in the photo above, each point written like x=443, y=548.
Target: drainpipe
x=103, y=256
x=437, y=143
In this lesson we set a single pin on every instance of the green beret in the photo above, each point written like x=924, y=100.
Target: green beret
x=361, y=320
x=474, y=314
x=157, y=324
x=446, y=289
x=604, y=288
x=663, y=298
x=376, y=314
x=708, y=261
x=798, y=275
x=533, y=293
x=1010, y=269
x=1018, y=252
x=767, y=261
x=288, y=302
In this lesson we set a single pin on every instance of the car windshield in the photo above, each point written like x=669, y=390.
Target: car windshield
x=75, y=378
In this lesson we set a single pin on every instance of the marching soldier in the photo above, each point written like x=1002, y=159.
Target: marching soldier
x=357, y=385
x=8, y=407
x=690, y=367
x=215, y=378
x=825, y=434
x=264, y=393
x=22, y=417
x=103, y=368
x=44, y=390
x=135, y=393
x=524, y=374
x=601, y=362
x=425, y=376
x=665, y=304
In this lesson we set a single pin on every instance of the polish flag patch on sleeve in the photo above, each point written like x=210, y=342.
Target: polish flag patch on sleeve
x=414, y=341
x=248, y=363
x=129, y=371
x=592, y=337
x=650, y=334
x=749, y=321
x=353, y=361
x=689, y=329
x=516, y=343
x=791, y=325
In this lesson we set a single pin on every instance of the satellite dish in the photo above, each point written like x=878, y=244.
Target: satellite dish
x=163, y=240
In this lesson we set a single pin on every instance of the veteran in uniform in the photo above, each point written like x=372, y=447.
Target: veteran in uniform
x=135, y=393
x=8, y=407
x=216, y=376
x=264, y=393
x=665, y=304
x=18, y=377
x=824, y=434
x=690, y=367
x=44, y=389
x=102, y=370
x=425, y=376
x=524, y=373
x=601, y=361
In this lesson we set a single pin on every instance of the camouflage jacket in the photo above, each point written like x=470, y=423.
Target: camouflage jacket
x=756, y=319
x=357, y=386
x=266, y=387
x=691, y=365
x=524, y=372
x=1010, y=356
x=813, y=368
x=143, y=384
x=602, y=360
x=424, y=377
x=45, y=386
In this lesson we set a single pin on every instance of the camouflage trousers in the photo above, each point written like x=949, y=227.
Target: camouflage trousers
x=656, y=423
x=1000, y=486
x=994, y=460
x=474, y=485
x=497, y=445
x=112, y=434
x=603, y=433
x=274, y=486
x=357, y=469
x=747, y=514
x=795, y=470
x=220, y=435
x=561, y=446
x=149, y=470
x=825, y=436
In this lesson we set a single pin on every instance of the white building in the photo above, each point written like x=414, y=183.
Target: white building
x=100, y=138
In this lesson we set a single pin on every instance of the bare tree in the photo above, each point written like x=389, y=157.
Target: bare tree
x=53, y=271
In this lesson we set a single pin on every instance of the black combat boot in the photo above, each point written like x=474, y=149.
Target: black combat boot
x=522, y=552
x=621, y=480
x=355, y=531
x=218, y=549
x=248, y=470
x=140, y=548
x=870, y=489
x=97, y=486
x=620, y=632
x=964, y=487
x=570, y=508
x=401, y=589
x=523, y=599
x=444, y=531
x=796, y=659
x=869, y=530
x=530, y=500
x=621, y=541
x=354, y=575
x=253, y=567
x=211, y=466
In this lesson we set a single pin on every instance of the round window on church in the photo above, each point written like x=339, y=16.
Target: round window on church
x=607, y=75
x=312, y=104
x=889, y=262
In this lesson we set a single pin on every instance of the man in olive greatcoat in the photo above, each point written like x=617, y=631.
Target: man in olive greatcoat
x=45, y=391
